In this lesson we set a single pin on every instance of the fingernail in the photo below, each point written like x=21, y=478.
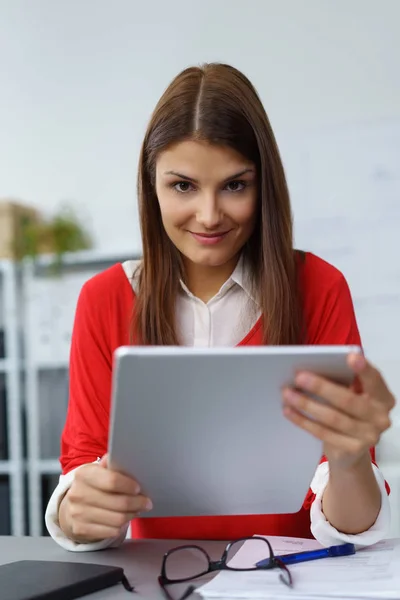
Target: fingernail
x=304, y=380
x=289, y=395
x=149, y=504
x=359, y=362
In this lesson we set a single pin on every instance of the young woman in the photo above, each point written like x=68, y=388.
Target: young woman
x=219, y=268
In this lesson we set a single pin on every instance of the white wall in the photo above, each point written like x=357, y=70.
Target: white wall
x=79, y=80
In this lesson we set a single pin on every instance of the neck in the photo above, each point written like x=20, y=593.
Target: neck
x=204, y=282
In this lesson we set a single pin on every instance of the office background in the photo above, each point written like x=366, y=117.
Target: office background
x=79, y=82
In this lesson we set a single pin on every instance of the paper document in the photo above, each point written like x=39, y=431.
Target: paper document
x=372, y=572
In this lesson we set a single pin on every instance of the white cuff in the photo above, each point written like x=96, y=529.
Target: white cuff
x=53, y=527
x=326, y=534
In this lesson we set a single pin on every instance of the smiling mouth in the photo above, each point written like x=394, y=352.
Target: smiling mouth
x=210, y=235
x=209, y=239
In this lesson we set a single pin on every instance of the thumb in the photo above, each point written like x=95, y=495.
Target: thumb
x=104, y=461
x=370, y=380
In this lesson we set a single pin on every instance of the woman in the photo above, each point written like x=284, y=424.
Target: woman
x=218, y=268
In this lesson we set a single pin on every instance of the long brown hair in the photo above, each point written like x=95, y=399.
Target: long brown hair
x=217, y=103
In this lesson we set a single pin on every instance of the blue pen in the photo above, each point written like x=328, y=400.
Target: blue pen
x=291, y=559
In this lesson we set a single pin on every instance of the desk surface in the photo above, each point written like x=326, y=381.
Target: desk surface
x=140, y=559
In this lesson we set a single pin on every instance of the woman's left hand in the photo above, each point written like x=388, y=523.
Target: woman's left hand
x=352, y=419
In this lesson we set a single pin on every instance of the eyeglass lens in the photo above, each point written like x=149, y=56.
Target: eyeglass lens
x=257, y=549
x=186, y=563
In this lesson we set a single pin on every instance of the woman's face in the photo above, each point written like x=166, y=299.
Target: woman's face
x=208, y=200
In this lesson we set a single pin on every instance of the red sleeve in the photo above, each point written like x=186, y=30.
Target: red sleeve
x=329, y=314
x=84, y=437
x=101, y=324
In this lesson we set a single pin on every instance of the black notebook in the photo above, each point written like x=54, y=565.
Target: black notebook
x=53, y=580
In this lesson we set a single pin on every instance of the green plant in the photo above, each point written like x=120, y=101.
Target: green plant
x=60, y=234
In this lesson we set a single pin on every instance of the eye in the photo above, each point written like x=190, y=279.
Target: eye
x=182, y=187
x=235, y=186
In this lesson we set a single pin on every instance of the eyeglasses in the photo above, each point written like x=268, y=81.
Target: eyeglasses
x=185, y=563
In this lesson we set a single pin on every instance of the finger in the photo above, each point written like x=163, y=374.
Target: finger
x=371, y=379
x=83, y=495
x=92, y=532
x=326, y=415
x=100, y=516
x=107, y=480
x=337, y=440
x=360, y=406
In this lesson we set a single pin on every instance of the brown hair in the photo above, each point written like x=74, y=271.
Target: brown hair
x=217, y=103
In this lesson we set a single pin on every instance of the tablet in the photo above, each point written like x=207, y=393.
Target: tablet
x=202, y=429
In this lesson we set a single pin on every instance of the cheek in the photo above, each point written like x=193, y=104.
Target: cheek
x=244, y=214
x=173, y=212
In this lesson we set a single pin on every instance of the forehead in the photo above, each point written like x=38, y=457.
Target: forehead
x=199, y=159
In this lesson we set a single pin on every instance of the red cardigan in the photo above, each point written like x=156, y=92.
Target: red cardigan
x=102, y=324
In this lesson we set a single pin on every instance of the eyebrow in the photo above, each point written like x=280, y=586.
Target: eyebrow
x=186, y=178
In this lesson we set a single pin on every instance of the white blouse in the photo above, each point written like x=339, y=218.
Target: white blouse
x=216, y=323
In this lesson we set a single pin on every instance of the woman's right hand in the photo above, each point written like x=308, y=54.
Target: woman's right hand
x=99, y=503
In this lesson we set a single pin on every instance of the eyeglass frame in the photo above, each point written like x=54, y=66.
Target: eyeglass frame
x=219, y=565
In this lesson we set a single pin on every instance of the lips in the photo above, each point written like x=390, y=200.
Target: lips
x=209, y=239
x=210, y=235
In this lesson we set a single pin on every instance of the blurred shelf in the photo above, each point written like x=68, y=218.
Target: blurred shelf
x=51, y=365
x=4, y=365
x=49, y=467
x=6, y=264
x=87, y=259
x=45, y=365
x=12, y=513
x=5, y=467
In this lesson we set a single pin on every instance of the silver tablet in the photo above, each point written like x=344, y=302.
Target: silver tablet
x=202, y=429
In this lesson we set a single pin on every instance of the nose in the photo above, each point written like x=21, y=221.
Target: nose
x=209, y=213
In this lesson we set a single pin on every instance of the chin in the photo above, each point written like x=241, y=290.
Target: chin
x=209, y=259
